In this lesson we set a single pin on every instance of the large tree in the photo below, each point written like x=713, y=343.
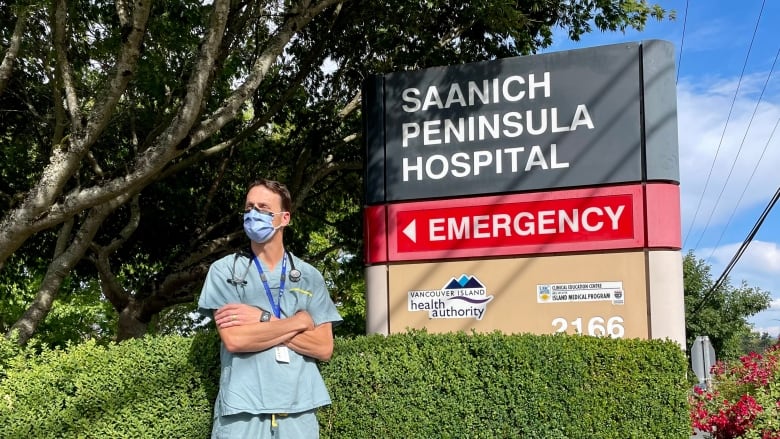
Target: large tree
x=719, y=313
x=130, y=128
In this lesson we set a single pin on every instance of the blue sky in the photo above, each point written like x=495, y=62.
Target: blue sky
x=728, y=111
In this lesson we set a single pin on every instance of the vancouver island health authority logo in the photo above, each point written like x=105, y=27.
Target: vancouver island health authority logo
x=461, y=298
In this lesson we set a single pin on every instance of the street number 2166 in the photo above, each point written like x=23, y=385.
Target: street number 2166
x=612, y=327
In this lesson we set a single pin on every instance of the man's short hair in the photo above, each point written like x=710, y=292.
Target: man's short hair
x=277, y=188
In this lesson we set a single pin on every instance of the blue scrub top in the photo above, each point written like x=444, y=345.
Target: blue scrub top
x=255, y=382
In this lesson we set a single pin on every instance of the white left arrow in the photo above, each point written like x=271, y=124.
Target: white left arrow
x=411, y=231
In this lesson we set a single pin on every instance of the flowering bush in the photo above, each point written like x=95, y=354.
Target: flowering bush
x=743, y=400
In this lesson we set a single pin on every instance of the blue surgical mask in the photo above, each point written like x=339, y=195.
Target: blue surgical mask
x=259, y=226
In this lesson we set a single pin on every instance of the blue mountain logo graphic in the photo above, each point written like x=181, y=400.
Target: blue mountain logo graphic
x=463, y=282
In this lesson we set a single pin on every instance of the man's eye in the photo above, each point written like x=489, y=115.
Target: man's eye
x=247, y=209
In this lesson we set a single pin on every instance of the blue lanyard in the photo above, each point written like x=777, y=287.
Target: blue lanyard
x=276, y=307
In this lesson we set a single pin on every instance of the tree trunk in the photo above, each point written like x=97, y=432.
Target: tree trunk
x=131, y=323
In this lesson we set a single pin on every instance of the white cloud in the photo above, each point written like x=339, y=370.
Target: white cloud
x=724, y=157
x=774, y=331
x=760, y=258
x=735, y=197
x=759, y=267
x=763, y=258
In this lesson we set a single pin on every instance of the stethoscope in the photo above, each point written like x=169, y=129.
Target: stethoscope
x=294, y=275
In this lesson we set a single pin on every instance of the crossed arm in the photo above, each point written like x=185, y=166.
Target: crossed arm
x=240, y=329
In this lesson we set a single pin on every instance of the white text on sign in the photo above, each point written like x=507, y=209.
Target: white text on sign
x=597, y=327
x=545, y=222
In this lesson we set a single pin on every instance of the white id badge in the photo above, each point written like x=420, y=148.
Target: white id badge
x=282, y=354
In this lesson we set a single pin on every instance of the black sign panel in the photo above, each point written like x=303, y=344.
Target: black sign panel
x=558, y=120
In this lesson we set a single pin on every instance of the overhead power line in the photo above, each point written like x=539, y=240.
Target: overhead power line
x=723, y=134
x=761, y=157
x=739, y=252
x=682, y=41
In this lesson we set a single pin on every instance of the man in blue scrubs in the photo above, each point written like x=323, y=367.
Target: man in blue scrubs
x=275, y=317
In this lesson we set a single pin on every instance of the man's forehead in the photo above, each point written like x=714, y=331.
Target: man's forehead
x=261, y=194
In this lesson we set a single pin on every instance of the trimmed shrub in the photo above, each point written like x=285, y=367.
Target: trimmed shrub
x=419, y=385
x=148, y=388
x=414, y=385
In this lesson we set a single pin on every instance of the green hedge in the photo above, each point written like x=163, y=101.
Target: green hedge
x=495, y=386
x=414, y=385
x=149, y=388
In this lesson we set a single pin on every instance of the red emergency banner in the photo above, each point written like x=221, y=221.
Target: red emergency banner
x=519, y=223
x=606, y=218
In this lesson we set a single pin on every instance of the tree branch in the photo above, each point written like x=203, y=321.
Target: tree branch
x=59, y=268
x=7, y=66
x=63, y=71
x=322, y=172
x=132, y=37
x=112, y=289
x=66, y=156
x=300, y=17
x=215, y=246
x=351, y=106
x=63, y=236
